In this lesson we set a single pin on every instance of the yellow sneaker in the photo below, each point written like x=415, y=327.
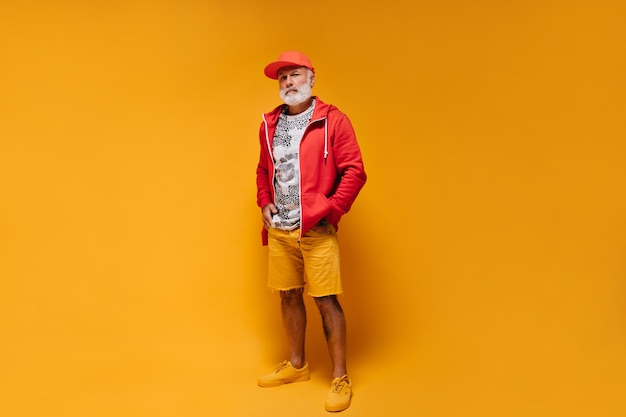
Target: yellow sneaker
x=340, y=394
x=284, y=374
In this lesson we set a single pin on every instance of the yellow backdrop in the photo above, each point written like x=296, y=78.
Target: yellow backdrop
x=483, y=261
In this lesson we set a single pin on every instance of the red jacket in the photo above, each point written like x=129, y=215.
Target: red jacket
x=331, y=167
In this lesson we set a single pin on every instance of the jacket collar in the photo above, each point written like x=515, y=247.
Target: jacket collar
x=319, y=112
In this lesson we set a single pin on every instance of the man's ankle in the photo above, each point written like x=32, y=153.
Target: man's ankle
x=298, y=364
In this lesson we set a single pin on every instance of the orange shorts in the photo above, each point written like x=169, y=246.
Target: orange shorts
x=314, y=260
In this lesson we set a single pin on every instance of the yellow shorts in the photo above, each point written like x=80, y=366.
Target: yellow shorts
x=315, y=260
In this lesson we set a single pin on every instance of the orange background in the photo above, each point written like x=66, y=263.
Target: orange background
x=483, y=261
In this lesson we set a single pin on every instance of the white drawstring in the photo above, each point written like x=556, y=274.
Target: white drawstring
x=325, y=139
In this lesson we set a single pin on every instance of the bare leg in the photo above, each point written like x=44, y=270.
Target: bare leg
x=294, y=319
x=335, y=330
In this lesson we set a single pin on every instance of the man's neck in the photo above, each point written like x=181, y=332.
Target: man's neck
x=299, y=108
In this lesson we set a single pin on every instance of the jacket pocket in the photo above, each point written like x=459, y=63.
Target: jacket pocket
x=315, y=207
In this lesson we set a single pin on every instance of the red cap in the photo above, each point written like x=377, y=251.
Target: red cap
x=288, y=59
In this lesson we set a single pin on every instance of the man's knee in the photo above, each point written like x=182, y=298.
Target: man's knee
x=292, y=295
x=328, y=303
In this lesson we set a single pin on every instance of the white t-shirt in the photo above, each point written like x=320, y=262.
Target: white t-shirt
x=289, y=132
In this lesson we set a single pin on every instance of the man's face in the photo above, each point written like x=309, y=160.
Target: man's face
x=295, y=85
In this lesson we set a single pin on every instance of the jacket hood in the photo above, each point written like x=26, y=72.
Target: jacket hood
x=320, y=111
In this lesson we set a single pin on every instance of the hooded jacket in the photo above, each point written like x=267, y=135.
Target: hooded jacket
x=331, y=166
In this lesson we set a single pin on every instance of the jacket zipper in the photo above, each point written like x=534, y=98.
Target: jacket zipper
x=300, y=165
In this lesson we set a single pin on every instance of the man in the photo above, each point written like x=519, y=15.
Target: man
x=310, y=172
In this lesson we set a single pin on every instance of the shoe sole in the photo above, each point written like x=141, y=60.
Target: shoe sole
x=278, y=383
x=336, y=408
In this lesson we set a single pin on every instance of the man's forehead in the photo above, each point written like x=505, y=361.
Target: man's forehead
x=288, y=69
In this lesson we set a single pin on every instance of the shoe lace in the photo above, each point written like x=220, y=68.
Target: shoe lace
x=280, y=367
x=339, y=384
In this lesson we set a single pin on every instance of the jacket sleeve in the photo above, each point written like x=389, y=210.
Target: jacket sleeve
x=349, y=165
x=264, y=193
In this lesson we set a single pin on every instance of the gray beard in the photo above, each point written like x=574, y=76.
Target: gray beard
x=302, y=94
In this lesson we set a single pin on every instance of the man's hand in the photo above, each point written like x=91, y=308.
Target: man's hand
x=267, y=213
